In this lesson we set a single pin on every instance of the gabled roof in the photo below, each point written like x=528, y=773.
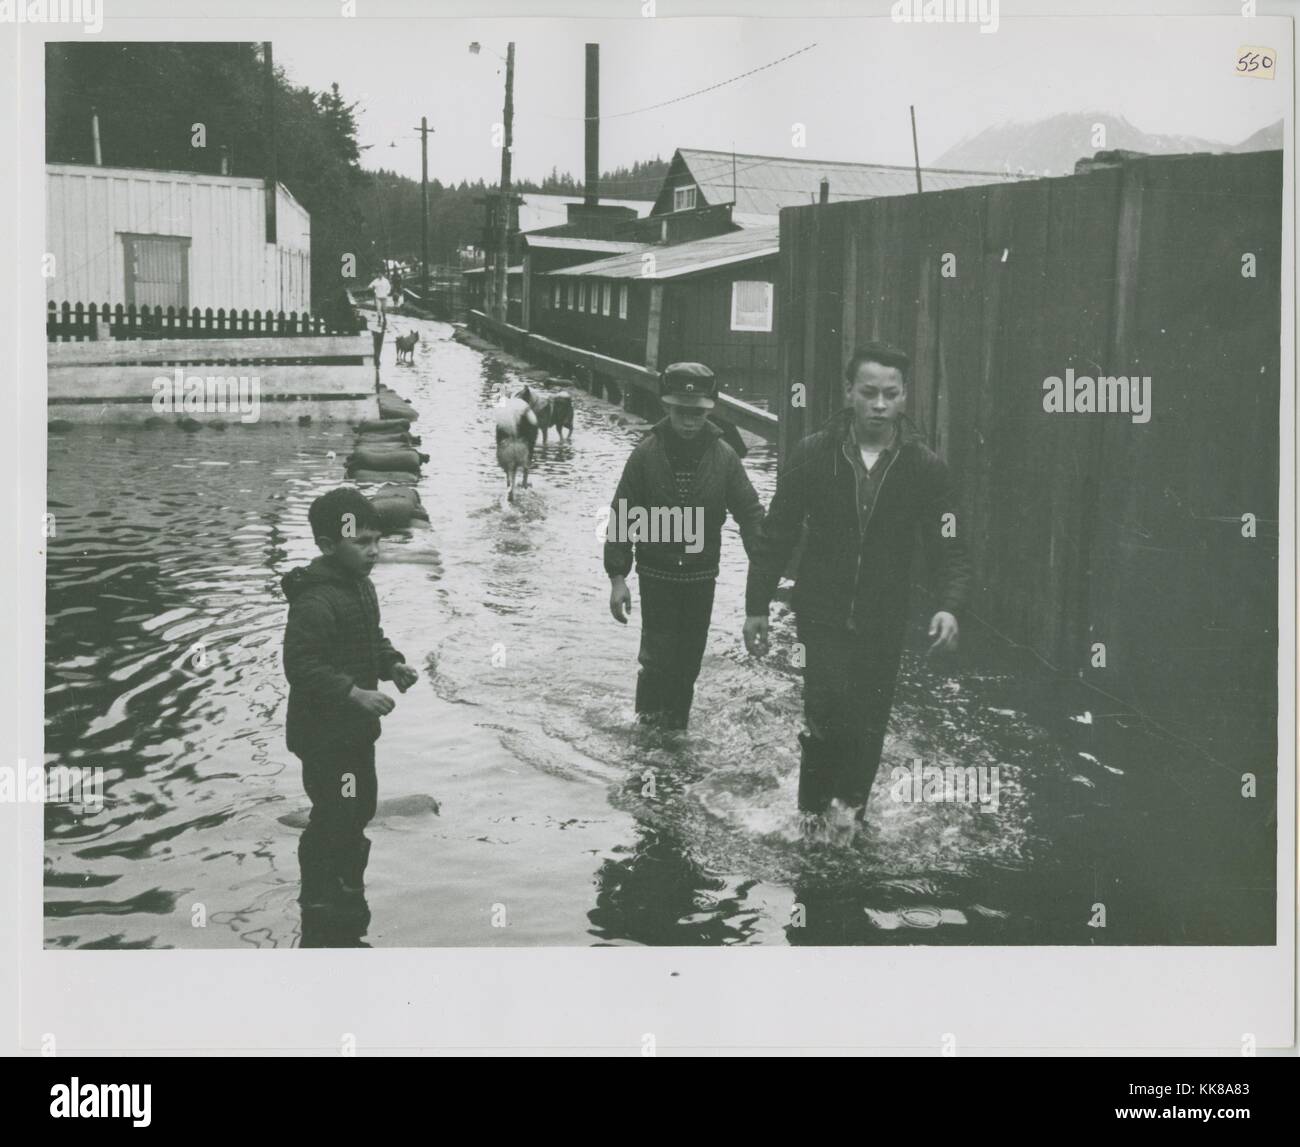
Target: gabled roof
x=763, y=184
x=679, y=259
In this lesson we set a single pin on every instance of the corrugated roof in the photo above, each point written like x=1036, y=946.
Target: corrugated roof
x=686, y=258
x=766, y=183
x=595, y=246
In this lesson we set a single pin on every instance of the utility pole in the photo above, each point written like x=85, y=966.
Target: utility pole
x=591, y=133
x=916, y=155
x=268, y=132
x=424, y=202
x=503, y=211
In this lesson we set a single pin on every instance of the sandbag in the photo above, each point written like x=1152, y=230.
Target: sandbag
x=397, y=408
x=398, y=507
x=383, y=476
x=383, y=463
x=383, y=424
x=405, y=494
x=398, y=438
x=381, y=457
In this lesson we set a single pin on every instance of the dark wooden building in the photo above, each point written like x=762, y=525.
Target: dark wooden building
x=711, y=300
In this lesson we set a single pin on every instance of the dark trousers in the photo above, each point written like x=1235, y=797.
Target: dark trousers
x=343, y=788
x=848, y=690
x=674, y=630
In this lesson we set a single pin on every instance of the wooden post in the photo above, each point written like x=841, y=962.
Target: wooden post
x=916, y=154
x=591, y=151
x=500, y=278
x=424, y=203
x=268, y=129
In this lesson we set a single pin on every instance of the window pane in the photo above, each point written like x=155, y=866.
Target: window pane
x=751, y=306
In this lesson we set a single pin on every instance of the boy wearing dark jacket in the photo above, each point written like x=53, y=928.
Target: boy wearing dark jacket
x=677, y=488
x=861, y=492
x=335, y=655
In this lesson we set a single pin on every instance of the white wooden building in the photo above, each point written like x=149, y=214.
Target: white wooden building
x=173, y=238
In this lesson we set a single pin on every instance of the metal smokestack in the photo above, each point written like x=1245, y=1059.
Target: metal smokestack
x=591, y=192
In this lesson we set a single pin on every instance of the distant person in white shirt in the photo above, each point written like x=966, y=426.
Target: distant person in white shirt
x=383, y=289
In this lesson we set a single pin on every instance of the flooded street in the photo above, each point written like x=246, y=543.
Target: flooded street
x=552, y=818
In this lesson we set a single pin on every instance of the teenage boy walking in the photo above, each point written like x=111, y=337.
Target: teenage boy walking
x=862, y=491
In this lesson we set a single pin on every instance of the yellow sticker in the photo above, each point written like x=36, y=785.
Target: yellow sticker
x=1256, y=63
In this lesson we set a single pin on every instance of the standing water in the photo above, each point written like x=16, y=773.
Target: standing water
x=519, y=802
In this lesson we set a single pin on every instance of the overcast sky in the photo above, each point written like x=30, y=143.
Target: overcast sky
x=851, y=90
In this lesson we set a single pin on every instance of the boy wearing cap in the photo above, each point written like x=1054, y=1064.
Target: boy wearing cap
x=678, y=486
x=862, y=491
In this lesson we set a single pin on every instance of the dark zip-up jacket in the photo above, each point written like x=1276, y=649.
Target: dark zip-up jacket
x=332, y=642
x=849, y=575
x=721, y=486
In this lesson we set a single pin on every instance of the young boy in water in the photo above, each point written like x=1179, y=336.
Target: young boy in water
x=335, y=655
x=682, y=474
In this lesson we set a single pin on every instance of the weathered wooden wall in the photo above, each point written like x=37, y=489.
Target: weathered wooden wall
x=330, y=378
x=697, y=326
x=1084, y=528
x=88, y=209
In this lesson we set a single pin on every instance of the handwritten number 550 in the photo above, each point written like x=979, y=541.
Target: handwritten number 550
x=1253, y=61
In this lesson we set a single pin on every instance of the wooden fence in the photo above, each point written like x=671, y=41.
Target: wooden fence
x=77, y=322
x=1085, y=529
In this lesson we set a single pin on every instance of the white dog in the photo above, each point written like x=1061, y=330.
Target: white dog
x=516, y=432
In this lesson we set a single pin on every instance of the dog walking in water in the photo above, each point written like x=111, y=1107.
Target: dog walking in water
x=406, y=346
x=516, y=432
x=551, y=410
x=562, y=415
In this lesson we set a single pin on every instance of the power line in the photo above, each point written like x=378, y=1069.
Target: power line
x=698, y=91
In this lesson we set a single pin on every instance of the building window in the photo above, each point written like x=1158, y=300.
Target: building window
x=606, y=297
x=571, y=290
x=555, y=294
x=582, y=297
x=751, y=305
x=684, y=198
x=622, y=300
